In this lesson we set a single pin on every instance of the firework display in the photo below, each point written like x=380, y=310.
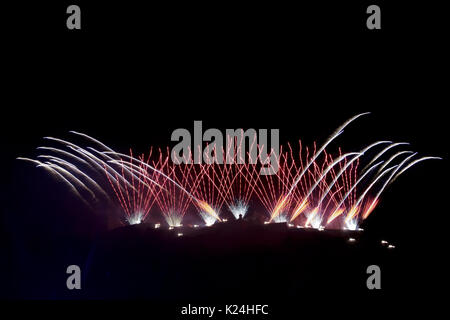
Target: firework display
x=313, y=186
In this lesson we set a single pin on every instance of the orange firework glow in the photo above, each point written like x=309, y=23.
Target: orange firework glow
x=335, y=214
x=278, y=208
x=352, y=213
x=311, y=216
x=370, y=208
x=300, y=208
x=207, y=208
x=309, y=181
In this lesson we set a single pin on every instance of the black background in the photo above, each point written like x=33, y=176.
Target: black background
x=136, y=72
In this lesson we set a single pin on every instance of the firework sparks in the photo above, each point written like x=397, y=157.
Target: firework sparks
x=314, y=187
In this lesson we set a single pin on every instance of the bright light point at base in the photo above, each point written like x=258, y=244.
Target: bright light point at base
x=313, y=219
x=238, y=209
x=208, y=214
x=281, y=218
x=157, y=225
x=179, y=234
x=384, y=242
x=173, y=219
x=351, y=239
x=352, y=224
x=391, y=246
x=290, y=225
x=136, y=218
x=319, y=190
x=208, y=219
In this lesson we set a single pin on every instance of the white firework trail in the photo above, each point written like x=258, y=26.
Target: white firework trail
x=322, y=177
x=65, y=153
x=353, y=212
x=153, y=169
x=88, y=156
x=133, y=170
x=59, y=176
x=411, y=164
x=361, y=198
x=110, y=159
x=103, y=166
x=93, y=140
x=78, y=171
x=70, y=176
x=335, y=134
x=383, y=152
x=391, y=159
x=346, y=166
x=386, y=183
x=97, y=161
x=338, y=210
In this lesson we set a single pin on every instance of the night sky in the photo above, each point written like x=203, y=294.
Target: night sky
x=131, y=76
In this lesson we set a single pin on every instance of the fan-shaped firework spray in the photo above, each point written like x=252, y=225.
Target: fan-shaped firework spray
x=311, y=188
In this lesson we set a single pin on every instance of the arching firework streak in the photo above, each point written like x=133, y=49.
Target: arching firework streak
x=93, y=140
x=339, y=210
x=327, y=142
x=65, y=153
x=345, y=168
x=305, y=200
x=72, y=177
x=59, y=176
x=71, y=170
x=67, y=170
x=391, y=179
x=411, y=164
x=71, y=166
x=138, y=170
x=137, y=184
x=353, y=212
x=205, y=207
x=392, y=159
x=383, y=152
x=300, y=193
x=98, y=163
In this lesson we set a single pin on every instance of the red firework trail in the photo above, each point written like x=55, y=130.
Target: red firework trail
x=138, y=197
x=272, y=190
x=205, y=184
x=236, y=187
x=309, y=188
x=172, y=201
x=210, y=185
